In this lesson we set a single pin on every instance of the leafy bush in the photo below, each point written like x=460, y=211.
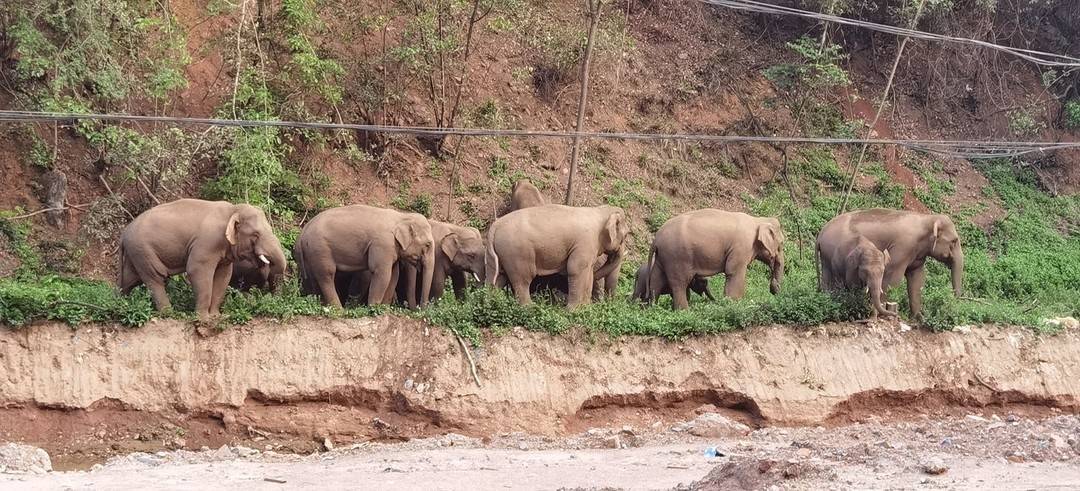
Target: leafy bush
x=1072, y=114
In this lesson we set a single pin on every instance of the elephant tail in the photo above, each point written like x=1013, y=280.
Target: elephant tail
x=123, y=267
x=817, y=266
x=301, y=271
x=491, y=259
x=649, y=297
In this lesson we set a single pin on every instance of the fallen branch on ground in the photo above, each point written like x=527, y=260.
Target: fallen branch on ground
x=468, y=355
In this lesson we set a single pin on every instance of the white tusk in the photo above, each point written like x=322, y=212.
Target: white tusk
x=477, y=278
x=264, y=259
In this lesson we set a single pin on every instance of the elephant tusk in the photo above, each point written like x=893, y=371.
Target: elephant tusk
x=264, y=259
x=475, y=277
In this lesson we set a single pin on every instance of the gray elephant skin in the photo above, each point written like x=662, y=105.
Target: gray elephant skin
x=549, y=239
x=863, y=266
x=357, y=238
x=710, y=241
x=201, y=238
x=697, y=285
x=910, y=237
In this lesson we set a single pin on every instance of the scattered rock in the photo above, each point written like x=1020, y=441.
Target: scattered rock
x=1059, y=441
x=1016, y=457
x=712, y=425
x=613, y=441
x=980, y=419
x=16, y=458
x=327, y=444
x=803, y=453
x=245, y=451
x=933, y=466
x=963, y=329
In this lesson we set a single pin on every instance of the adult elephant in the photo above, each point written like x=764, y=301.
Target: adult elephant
x=709, y=241
x=201, y=238
x=909, y=237
x=360, y=238
x=525, y=195
x=459, y=253
x=549, y=239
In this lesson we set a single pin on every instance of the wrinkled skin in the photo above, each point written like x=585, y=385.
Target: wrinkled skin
x=201, y=238
x=459, y=253
x=525, y=195
x=551, y=239
x=709, y=241
x=358, y=238
x=698, y=285
x=863, y=266
x=909, y=237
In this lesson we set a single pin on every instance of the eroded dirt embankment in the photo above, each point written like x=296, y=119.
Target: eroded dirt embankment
x=96, y=390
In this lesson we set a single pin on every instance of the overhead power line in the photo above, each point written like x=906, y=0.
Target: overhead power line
x=1039, y=57
x=969, y=149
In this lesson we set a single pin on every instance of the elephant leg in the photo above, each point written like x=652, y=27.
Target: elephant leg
x=156, y=285
x=129, y=277
x=221, y=283
x=735, y=279
x=202, y=283
x=457, y=281
x=380, y=281
x=579, y=286
x=916, y=277
x=520, y=281
x=391, y=289
x=438, y=284
x=325, y=277
x=679, y=285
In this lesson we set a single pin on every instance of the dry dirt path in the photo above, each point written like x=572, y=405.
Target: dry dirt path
x=978, y=451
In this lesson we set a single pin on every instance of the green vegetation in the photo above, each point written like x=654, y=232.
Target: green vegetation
x=1071, y=114
x=1023, y=123
x=818, y=68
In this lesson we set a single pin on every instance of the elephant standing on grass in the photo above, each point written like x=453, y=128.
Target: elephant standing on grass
x=201, y=238
x=255, y=274
x=709, y=241
x=697, y=285
x=358, y=238
x=551, y=239
x=909, y=237
x=863, y=266
x=459, y=252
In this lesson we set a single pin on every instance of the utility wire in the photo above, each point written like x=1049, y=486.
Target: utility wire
x=1039, y=57
x=969, y=149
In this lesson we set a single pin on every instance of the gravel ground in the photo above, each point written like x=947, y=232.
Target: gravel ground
x=978, y=451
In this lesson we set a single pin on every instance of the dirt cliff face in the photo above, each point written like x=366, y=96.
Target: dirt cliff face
x=392, y=378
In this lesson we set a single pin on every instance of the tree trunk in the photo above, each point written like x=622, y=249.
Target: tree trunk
x=594, y=16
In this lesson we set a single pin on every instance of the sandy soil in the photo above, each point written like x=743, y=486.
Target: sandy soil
x=977, y=452
x=87, y=394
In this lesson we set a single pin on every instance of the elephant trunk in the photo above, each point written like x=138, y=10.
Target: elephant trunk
x=777, y=274
x=874, y=286
x=957, y=266
x=429, y=272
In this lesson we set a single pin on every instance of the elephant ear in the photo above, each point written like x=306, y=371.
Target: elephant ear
x=615, y=230
x=769, y=237
x=451, y=245
x=230, y=228
x=404, y=236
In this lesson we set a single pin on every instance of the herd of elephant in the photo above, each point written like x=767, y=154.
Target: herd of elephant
x=385, y=256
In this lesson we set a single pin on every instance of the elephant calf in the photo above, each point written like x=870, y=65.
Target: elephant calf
x=698, y=284
x=709, y=241
x=201, y=238
x=459, y=252
x=862, y=267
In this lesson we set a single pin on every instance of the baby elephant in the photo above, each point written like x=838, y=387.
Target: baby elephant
x=862, y=267
x=698, y=284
